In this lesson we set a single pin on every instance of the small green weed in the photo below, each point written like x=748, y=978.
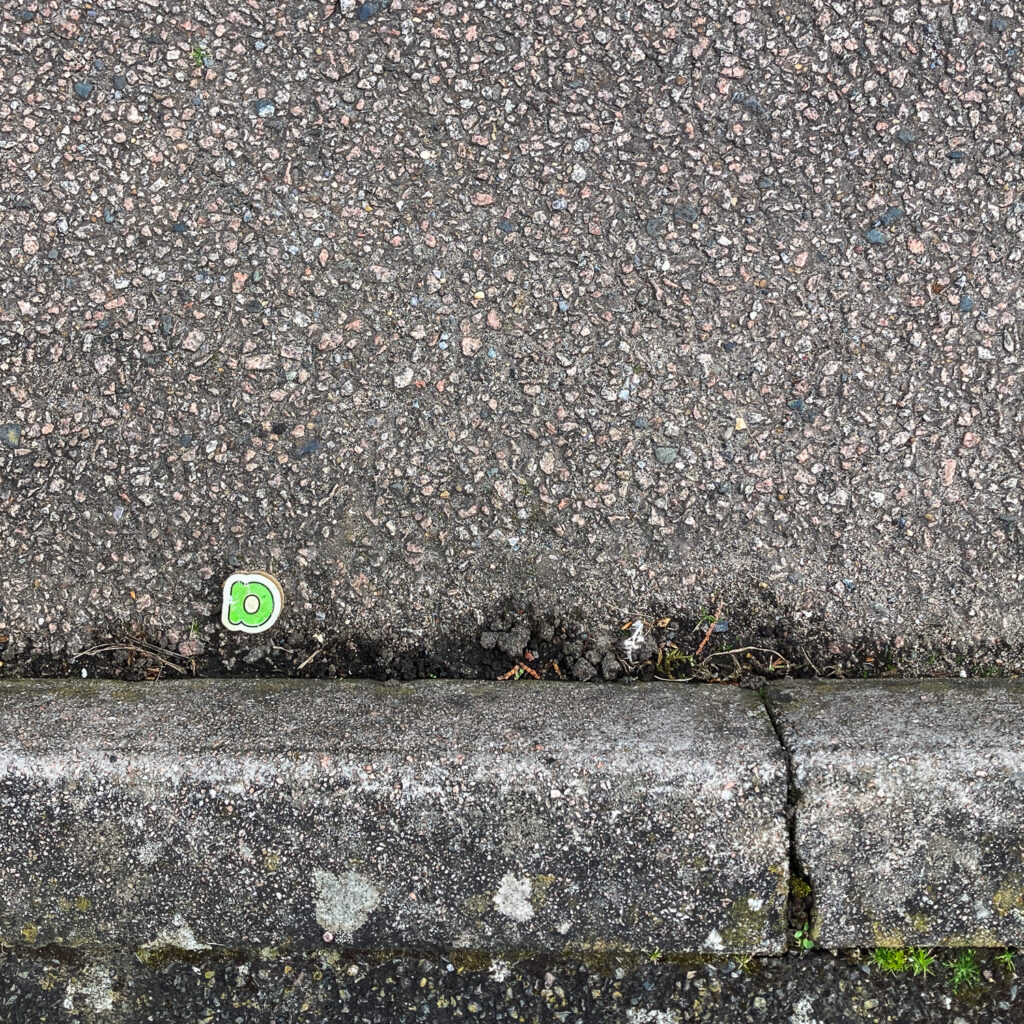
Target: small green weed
x=798, y=888
x=894, y=961
x=655, y=955
x=672, y=663
x=922, y=961
x=803, y=938
x=964, y=971
x=198, y=55
x=707, y=618
x=1005, y=960
x=745, y=963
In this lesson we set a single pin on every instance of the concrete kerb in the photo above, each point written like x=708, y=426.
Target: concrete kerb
x=561, y=819
x=566, y=819
x=908, y=809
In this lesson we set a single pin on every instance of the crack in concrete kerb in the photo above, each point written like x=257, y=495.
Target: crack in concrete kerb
x=796, y=868
x=343, y=903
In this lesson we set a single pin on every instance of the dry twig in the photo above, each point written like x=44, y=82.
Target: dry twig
x=710, y=630
x=518, y=670
x=309, y=659
x=143, y=649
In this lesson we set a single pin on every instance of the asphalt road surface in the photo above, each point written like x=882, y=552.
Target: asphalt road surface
x=448, y=312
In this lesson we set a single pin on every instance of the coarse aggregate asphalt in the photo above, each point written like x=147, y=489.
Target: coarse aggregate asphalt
x=795, y=989
x=511, y=322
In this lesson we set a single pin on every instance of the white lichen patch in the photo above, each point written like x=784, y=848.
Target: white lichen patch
x=714, y=941
x=343, y=903
x=94, y=988
x=148, y=853
x=513, y=898
x=177, y=935
x=500, y=970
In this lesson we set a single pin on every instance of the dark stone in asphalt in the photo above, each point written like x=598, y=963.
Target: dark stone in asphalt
x=655, y=226
x=876, y=237
x=583, y=669
x=83, y=90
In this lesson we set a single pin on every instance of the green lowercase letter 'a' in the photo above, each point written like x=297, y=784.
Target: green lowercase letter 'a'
x=252, y=604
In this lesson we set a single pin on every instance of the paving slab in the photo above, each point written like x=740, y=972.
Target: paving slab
x=436, y=310
x=240, y=815
x=909, y=809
